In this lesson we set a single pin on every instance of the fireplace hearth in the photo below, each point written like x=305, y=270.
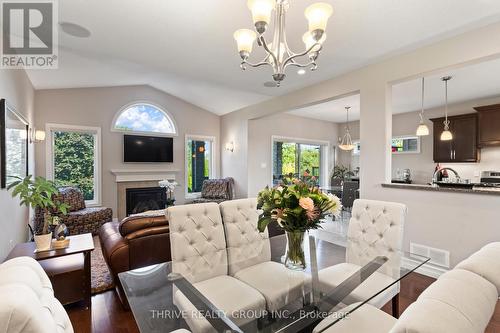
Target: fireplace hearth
x=139, y=200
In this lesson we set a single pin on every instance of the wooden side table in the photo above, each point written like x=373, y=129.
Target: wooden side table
x=83, y=244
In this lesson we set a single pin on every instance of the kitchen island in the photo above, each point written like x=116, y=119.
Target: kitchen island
x=425, y=187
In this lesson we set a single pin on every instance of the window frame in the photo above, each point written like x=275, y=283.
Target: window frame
x=419, y=144
x=49, y=161
x=142, y=102
x=324, y=155
x=213, y=161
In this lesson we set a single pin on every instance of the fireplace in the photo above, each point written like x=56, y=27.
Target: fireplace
x=139, y=200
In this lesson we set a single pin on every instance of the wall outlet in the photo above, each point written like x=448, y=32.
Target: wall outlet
x=11, y=244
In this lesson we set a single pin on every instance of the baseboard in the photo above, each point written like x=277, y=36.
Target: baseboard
x=426, y=269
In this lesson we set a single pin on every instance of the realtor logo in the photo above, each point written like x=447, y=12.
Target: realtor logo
x=29, y=34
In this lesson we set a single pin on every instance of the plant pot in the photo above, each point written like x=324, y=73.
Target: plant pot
x=294, y=256
x=43, y=242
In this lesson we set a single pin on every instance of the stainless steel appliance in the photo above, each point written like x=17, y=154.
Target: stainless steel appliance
x=490, y=179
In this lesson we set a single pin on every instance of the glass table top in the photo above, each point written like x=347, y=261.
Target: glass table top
x=150, y=291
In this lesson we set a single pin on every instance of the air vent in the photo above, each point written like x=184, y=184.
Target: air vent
x=438, y=257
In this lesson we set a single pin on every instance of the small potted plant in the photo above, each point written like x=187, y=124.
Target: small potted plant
x=39, y=193
x=169, y=187
x=296, y=206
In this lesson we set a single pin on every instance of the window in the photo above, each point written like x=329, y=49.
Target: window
x=74, y=159
x=300, y=159
x=200, y=162
x=144, y=118
x=405, y=145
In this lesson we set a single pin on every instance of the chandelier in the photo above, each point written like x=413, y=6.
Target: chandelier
x=346, y=142
x=278, y=54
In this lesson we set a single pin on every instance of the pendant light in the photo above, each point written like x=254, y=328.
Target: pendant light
x=446, y=135
x=346, y=143
x=422, y=129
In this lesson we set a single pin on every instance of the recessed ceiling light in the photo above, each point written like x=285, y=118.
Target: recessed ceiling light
x=74, y=30
x=301, y=71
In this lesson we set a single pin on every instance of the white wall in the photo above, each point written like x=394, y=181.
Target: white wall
x=374, y=82
x=16, y=88
x=98, y=106
x=260, y=132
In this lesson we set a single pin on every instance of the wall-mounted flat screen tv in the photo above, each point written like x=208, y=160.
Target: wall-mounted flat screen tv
x=147, y=149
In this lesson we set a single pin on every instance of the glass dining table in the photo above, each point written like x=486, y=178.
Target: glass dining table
x=150, y=291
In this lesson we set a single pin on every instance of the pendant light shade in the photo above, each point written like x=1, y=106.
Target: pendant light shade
x=346, y=143
x=446, y=135
x=422, y=129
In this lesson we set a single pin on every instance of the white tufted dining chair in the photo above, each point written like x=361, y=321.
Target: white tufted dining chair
x=198, y=248
x=375, y=229
x=249, y=254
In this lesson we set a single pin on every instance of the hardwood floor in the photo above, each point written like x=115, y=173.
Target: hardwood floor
x=108, y=316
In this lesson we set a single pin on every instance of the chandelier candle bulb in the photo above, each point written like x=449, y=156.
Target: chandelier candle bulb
x=261, y=13
x=245, y=39
x=318, y=14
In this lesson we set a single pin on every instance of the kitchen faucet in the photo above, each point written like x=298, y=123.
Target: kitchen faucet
x=434, y=176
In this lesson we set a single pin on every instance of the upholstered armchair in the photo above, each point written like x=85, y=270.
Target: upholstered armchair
x=375, y=229
x=27, y=303
x=249, y=256
x=80, y=219
x=198, y=247
x=216, y=190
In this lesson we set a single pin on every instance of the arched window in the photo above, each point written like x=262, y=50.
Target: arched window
x=144, y=118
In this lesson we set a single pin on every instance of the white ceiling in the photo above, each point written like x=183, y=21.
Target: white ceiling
x=468, y=83
x=186, y=47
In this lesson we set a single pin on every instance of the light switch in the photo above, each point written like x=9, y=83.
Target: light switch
x=263, y=165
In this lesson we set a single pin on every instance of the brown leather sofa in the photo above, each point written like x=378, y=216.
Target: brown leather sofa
x=135, y=242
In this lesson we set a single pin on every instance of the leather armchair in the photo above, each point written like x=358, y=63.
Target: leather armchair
x=137, y=241
x=375, y=228
x=27, y=303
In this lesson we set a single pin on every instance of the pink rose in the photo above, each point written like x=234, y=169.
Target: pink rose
x=306, y=203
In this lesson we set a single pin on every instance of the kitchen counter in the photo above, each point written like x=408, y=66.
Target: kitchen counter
x=422, y=187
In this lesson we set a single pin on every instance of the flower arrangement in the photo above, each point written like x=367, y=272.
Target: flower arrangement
x=169, y=187
x=296, y=206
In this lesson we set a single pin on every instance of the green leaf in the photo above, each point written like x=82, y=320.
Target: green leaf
x=263, y=222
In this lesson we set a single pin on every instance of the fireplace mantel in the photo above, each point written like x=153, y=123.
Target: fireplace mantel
x=140, y=175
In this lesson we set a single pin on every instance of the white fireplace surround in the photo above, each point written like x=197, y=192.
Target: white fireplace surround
x=139, y=175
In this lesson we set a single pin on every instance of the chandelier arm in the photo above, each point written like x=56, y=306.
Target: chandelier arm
x=262, y=63
x=296, y=64
x=269, y=52
x=296, y=55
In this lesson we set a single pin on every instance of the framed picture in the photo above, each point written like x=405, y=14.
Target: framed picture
x=13, y=144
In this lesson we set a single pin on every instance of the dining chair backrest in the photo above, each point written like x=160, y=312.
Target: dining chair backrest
x=376, y=229
x=337, y=181
x=197, y=241
x=349, y=193
x=246, y=246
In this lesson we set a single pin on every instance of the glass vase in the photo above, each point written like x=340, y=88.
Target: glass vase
x=294, y=256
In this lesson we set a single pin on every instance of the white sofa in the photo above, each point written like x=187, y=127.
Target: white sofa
x=460, y=301
x=27, y=302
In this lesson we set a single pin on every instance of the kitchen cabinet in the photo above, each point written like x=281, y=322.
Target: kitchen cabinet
x=464, y=145
x=489, y=125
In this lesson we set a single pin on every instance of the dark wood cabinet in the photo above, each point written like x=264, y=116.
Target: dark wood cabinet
x=464, y=146
x=489, y=125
